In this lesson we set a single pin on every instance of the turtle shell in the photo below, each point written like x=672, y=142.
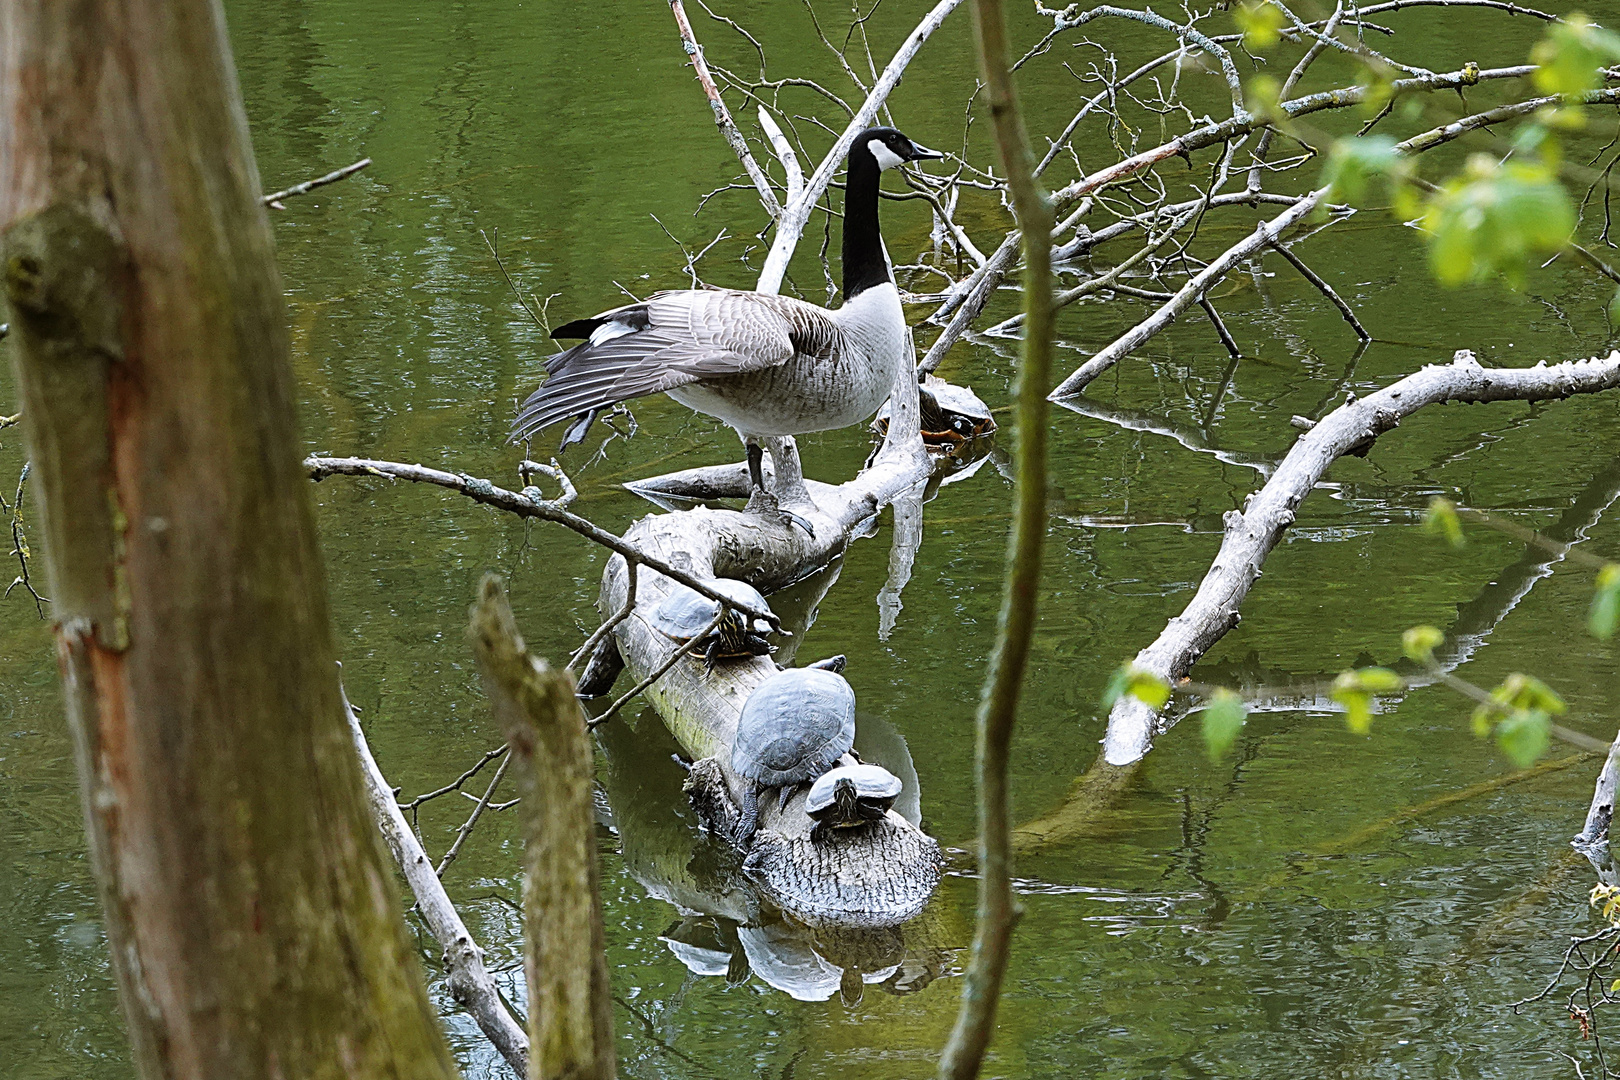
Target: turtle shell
x=794, y=727
x=686, y=613
x=871, y=782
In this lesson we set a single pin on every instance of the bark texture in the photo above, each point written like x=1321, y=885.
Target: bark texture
x=1253, y=532
x=252, y=920
x=564, y=958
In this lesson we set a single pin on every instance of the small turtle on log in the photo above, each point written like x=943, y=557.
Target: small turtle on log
x=951, y=415
x=794, y=727
x=684, y=614
x=850, y=796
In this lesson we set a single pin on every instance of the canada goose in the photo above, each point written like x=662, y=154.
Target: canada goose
x=767, y=365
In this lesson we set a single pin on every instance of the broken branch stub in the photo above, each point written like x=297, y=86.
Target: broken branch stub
x=1253, y=532
x=564, y=958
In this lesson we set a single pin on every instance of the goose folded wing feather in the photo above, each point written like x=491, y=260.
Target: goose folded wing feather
x=668, y=341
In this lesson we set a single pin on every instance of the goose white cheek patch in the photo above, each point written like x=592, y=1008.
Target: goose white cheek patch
x=886, y=158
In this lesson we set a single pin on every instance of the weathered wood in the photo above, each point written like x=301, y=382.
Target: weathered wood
x=564, y=958
x=469, y=980
x=251, y=916
x=896, y=868
x=1253, y=532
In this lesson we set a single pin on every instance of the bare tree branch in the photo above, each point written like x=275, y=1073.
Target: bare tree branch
x=1252, y=533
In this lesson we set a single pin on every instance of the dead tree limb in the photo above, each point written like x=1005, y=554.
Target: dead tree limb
x=1253, y=532
x=1592, y=842
x=564, y=958
x=722, y=115
x=520, y=503
x=790, y=225
x=1265, y=234
x=470, y=983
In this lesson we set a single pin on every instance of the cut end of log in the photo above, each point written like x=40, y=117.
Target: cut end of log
x=878, y=876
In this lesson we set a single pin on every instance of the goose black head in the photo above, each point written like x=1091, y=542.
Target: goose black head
x=889, y=147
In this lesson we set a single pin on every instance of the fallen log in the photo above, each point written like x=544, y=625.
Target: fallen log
x=1254, y=531
x=878, y=876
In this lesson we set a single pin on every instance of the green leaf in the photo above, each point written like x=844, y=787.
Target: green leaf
x=1605, y=613
x=1442, y=519
x=1496, y=219
x=1568, y=57
x=1223, y=719
x=1259, y=23
x=1419, y=643
x=1522, y=692
x=1262, y=96
x=1354, y=163
x=1480, y=720
x=1129, y=680
x=1523, y=736
x=1614, y=306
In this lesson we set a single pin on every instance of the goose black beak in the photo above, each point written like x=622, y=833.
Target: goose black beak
x=922, y=153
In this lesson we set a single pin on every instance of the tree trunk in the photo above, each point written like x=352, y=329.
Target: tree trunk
x=252, y=920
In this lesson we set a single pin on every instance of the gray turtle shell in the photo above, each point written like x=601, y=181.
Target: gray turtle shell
x=794, y=727
x=871, y=782
x=686, y=613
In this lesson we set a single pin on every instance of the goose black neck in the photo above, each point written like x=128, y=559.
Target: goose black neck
x=864, y=264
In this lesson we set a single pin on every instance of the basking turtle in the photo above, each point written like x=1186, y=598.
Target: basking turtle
x=850, y=796
x=794, y=727
x=951, y=415
x=686, y=613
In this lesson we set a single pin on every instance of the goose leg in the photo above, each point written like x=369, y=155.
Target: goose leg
x=762, y=501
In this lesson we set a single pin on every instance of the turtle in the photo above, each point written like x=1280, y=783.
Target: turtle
x=849, y=796
x=794, y=727
x=685, y=613
x=951, y=415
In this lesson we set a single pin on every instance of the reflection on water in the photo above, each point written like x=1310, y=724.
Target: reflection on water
x=1188, y=919
x=725, y=926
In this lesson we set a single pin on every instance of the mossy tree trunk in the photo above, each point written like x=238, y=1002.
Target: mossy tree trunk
x=253, y=923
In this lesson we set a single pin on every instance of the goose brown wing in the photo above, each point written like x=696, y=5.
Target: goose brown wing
x=670, y=340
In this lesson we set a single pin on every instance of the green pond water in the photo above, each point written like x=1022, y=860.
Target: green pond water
x=1220, y=919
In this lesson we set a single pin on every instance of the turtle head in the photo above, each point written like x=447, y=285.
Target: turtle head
x=847, y=801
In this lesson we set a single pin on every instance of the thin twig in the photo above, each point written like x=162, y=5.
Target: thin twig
x=1323, y=287
x=686, y=647
x=274, y=201
x=722, y=115
x=998, y=703
x=523, y=505
x=478, y=812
